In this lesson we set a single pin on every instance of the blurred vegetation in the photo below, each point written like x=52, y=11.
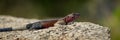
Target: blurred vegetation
x=103, y=12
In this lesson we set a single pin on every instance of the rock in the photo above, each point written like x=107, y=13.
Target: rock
x=74, y=31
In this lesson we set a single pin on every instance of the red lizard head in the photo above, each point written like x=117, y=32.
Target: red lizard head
x=71, y=17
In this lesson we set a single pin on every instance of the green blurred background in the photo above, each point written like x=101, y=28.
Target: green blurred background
x=103, y=12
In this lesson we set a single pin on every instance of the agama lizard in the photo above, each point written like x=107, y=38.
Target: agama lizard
x=45, y=23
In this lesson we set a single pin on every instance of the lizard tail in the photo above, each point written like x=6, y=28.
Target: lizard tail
x=5, y=29
x=36, y=25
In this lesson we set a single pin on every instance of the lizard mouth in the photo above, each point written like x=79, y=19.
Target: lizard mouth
x=76, y=15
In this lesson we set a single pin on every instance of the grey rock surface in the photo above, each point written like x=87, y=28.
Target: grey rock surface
x=74, y=31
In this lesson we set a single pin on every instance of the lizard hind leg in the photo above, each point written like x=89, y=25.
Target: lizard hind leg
x=36, y=26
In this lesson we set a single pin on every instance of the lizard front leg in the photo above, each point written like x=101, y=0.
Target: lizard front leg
x=60, y=22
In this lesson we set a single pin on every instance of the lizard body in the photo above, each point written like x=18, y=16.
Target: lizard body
x=45, y=24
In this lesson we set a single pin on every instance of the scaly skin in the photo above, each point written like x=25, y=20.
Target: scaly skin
x=67, y=19
x=63, y=21
x=46, y=23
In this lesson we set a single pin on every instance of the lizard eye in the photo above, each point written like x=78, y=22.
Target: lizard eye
x=72, y=17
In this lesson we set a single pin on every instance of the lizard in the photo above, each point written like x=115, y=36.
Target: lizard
x=45, y=23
